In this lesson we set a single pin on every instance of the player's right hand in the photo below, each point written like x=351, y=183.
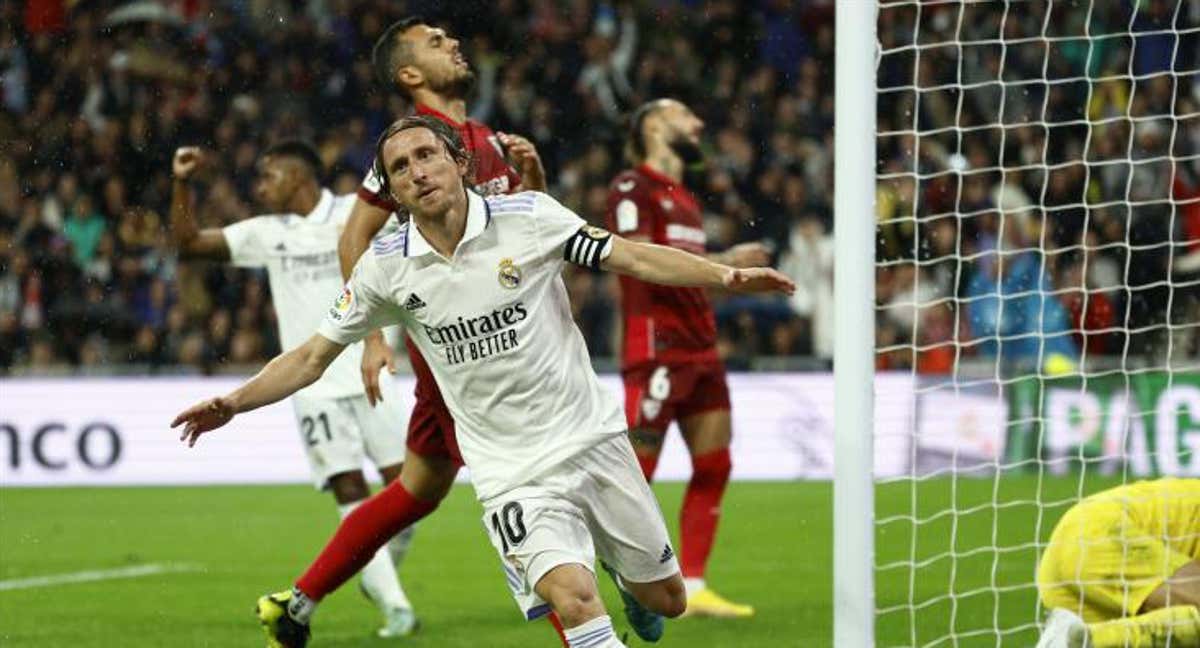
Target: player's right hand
x=187, y=159
x=203, y=417
x=376, y=355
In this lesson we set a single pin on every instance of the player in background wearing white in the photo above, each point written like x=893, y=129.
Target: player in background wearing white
x=478, y=284
x=297, y=244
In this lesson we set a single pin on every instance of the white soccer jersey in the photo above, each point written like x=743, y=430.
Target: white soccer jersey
x=300, y=255
x=494, y=323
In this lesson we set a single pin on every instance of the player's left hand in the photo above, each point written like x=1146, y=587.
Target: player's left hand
x=203, y=417
x=377, y=355
x=748, y=255
x=524, y=154
x=759, y=280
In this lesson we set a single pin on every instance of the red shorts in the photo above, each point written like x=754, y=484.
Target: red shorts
x=430, y=426
x=655, y=395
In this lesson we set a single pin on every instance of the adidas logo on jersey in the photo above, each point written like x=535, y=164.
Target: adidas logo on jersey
x=667, y=554
x=413, y=303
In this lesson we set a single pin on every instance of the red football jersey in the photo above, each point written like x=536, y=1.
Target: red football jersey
x=493, y=175
x=662, y=323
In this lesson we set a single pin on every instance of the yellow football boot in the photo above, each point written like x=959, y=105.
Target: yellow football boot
x=707, y=603
x=282, y=630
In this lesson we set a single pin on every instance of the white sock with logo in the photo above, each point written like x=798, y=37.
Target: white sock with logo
x=597, y=633
x=300, y=607
x=379, y=575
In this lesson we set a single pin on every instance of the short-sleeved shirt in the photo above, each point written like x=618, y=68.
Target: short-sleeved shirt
x=494, y=322
x=663, y=324
x=493, y=174
x=299, y=253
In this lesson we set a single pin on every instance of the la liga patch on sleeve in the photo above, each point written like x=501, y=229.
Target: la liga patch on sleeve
x=341, y=306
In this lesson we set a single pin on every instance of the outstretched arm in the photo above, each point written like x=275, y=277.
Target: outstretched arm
x=189, y=241
x=663, y=265
x=282, y=377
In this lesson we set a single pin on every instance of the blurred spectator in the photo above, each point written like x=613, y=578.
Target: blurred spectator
x=608, y=52
x=1092, y=314
x=1012, y=312
x=809, y=261
x=84, y=228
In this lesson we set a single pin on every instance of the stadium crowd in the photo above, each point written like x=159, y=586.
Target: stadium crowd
x=96, y=98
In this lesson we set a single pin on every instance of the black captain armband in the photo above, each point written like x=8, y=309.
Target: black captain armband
x=588, y=247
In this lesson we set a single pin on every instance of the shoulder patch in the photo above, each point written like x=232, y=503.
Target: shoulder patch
x=341, y=306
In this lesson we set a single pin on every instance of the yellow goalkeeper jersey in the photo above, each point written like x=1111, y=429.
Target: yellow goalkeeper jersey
x=1168, y=508
x=1111, y=550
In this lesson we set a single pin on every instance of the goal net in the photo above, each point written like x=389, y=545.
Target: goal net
x=1037, y=277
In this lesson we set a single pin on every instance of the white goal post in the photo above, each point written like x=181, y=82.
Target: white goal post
x=854, y=342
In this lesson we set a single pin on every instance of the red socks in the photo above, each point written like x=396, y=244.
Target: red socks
x=558, y=627
x=701, y=508
x=359, y=536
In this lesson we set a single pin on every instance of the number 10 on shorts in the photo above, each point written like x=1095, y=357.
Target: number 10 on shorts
x=509, y=525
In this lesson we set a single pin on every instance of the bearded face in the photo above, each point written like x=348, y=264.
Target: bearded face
x=682, y=132
x=436, y=55
x=688, y=149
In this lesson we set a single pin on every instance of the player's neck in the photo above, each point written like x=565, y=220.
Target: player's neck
x=665, y=162
x=452, y=107
x=444, y=231
x=305, y=199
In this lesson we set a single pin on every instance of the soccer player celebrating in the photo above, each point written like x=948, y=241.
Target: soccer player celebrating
x=424, y=64
x=477, y=283
x=1123, y=569
x=669, y=362
x=297, y=245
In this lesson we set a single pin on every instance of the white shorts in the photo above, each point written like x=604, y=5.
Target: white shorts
x=596, y=503
x=338, y=434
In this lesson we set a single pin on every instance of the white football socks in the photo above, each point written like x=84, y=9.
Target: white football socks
x=597, y=633
x=379, y=575
x=300, y=607
x=693, y=585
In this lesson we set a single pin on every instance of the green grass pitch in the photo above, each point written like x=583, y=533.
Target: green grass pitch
x=774, y=551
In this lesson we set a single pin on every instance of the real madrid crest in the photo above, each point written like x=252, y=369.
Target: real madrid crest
x=510, y=274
